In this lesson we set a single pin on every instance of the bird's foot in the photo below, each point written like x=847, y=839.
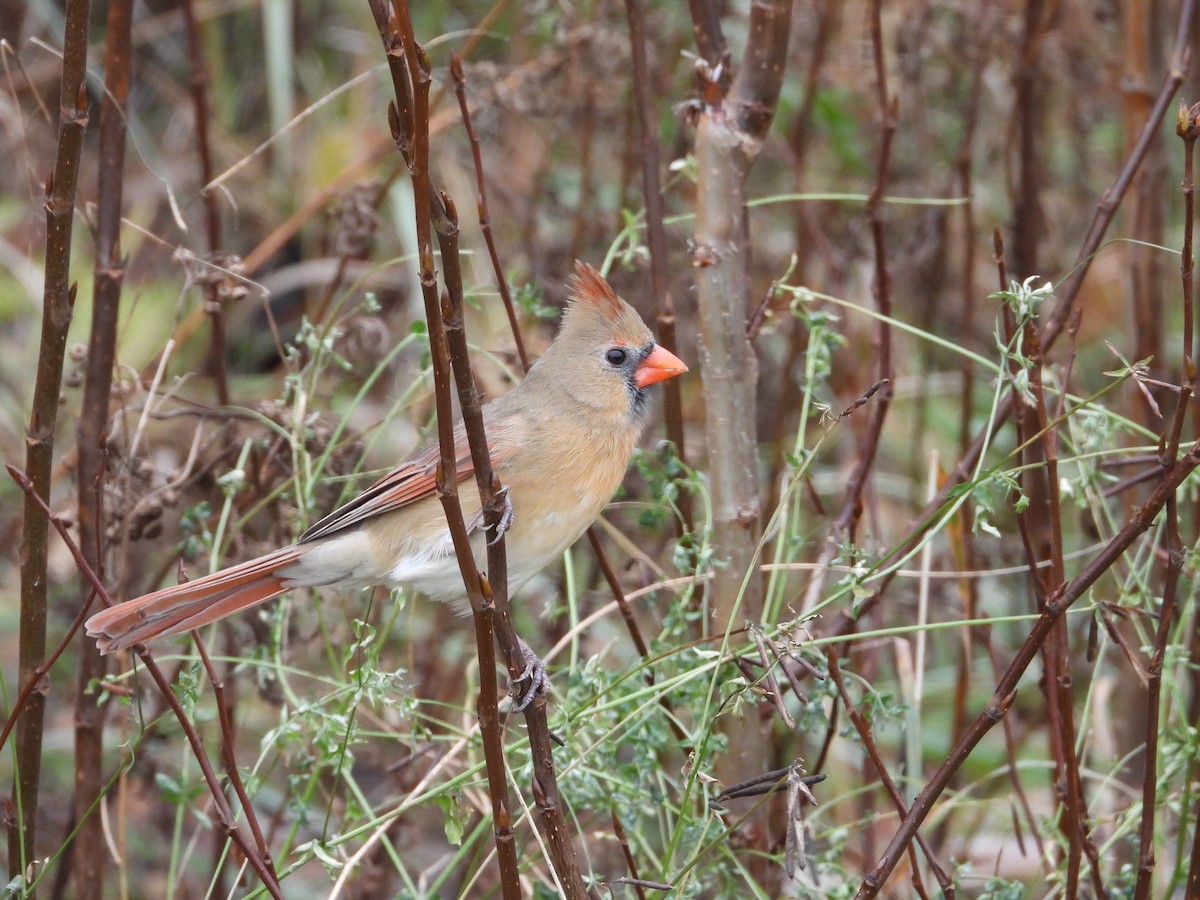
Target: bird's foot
x=535, y=673
x=506, y=520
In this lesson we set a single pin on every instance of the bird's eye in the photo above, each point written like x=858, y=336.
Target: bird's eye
x=616, y=356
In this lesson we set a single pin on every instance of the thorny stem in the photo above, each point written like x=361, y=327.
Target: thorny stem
x=58, y=301
x=409, y=120
x=92, y=439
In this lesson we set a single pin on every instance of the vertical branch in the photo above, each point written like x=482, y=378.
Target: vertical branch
x=1142, y=36
x=1027, y=210
x=706, y=25
x=729, y=132
x=409, y=120
x=58, y=301
x=656, y=236
x=485, y=219
x=1040, y=523
x=92, y=437
x=212, y=214
x=730, y=128
x=964, y=166
x=844, y=525
x=1188, y=127
x=488, y=597
x=800, y=139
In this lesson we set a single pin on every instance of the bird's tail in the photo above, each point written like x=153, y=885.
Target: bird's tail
x=193, y=604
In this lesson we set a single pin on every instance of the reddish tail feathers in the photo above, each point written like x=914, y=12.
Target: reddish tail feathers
x=193, y=604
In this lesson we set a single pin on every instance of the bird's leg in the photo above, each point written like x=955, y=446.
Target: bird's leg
x=506, y=519
x=534, y=673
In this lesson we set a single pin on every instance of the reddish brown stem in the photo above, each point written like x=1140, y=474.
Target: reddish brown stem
x=91, y=440
x=1188, y=128
x=656, y=235
x=58, y=301
x=409, y=120
x=212, y=213
x=863, y=727
x=485, y=219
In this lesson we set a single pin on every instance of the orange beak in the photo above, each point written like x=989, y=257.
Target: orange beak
x=660, y=365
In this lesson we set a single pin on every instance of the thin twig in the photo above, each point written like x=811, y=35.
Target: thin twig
x=863, y=727
x=1188, y=128
x=198, y=84
x=481, y=203
x=656, y=236
x=1005, y=692
x=164, y=684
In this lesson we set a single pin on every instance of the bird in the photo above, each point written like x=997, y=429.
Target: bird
x=560, y=442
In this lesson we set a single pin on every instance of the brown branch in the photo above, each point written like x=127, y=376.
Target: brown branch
x=1014, y=773
x=498, y=613
x=485, y=219
x=92, y=438
x=635, y=632
x=863, y=727
x=58, y=301
x=227, y=751
x=1005, y=692
x=634, y=878
x=409, y=121
x=212, y=213
x=488, y=598
x=1188, y=128
x=706, y=25
x=656, y=236
x=493, y=622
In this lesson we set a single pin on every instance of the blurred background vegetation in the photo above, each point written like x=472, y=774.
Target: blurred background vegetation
x=354, y=713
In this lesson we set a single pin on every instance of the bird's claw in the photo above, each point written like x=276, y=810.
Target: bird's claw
x=535, y=673
x=506, y=519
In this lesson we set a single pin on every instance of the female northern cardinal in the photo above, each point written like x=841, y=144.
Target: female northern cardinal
x=560, y=443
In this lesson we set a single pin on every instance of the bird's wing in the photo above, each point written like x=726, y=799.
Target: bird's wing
x=414, y=480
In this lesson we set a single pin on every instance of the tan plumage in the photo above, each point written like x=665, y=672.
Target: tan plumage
x=560, y=443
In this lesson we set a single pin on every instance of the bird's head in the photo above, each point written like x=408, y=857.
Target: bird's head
x=604, y=354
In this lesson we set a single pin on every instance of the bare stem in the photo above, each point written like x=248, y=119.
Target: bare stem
x=58, y=301
x=92, y=439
